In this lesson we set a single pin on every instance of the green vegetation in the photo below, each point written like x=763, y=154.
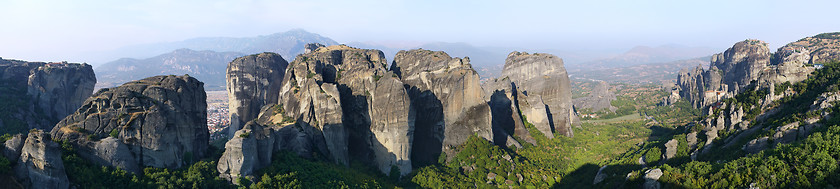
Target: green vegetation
x=309, y=74
x=84, y=174
x=288, y=170
x=12, y=99
x=835, y=35
x=808, y=163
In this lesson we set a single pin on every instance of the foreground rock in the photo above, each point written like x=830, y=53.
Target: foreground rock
x=450, y=102
x=539, y=88
x=40, y=164
x=158, y=121
x=252, y=82
x=40, y=94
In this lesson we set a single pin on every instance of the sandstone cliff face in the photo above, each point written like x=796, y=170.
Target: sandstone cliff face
x=543, y=92
x=158, y=121
x=40, y=94
x=40, y=164
x=252, y=82
x=450, y=102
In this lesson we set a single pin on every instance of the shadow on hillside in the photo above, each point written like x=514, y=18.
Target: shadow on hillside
x=616, y=177
x=657, y=132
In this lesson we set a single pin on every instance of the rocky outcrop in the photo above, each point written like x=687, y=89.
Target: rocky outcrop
x=58, y=89
x=12, y=147
x=750, y=62
x=541, y=91
x=158, y=121
x=252, y=82
x=248, y=151
x=507, y=119
x=393, y=125
x=652, y=179
x=598, y=99
x=671, y=148
x=38, y=94
x=819, y=49
x=450, y=103
x=338, y=101
x=40, y=164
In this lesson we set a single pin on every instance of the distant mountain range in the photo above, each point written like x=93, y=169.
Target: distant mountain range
x=207, y=66
x=206, y=58
x=202, y=58
x=288, y=44
x=645, y=55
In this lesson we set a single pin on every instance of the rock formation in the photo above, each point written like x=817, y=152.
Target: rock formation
x=598, y=99
x=539, y=88
x=248, y=151
x=449, y=100
x=40, y=164
x=158, y=121
x=58, y=89
x=12, y=147
x=340, y=102
x=39, y=94
x=252, y=82
x=652, y=179
x=750, y=62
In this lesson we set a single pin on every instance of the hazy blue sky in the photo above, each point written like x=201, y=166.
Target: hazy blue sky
x=41, y=30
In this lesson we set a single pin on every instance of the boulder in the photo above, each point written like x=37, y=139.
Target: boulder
x=40, y=164
x=756, y=145
x=252, y=82
x=161, y=120
x=651, y=179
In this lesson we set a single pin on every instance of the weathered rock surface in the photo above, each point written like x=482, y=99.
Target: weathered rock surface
x=40, y=94
x=598, y=99
x=341, y=102
x=450, y=103
x=58, y=89
x=505, y=109
x=12, y=147
x=651, y=179
x=542, y=91
x=40, y=164
x=252, y=82
x=756, y=145
x=671, y=148
x=248, y=151
x=750, y=61
x=160, y=120
x=393, y=125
